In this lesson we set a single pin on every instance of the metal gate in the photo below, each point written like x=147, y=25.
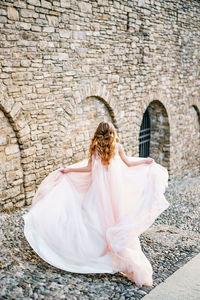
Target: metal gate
x=144, y=138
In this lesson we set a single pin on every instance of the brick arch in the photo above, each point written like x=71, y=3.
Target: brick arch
x=13, y=113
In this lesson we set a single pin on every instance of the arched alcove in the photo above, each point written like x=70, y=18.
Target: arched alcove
x=11, y=173
x=84, y=120
x=155, y=125
x=191, y=155
x=196, y=114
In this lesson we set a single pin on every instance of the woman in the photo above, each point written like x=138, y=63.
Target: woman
x=88, y=219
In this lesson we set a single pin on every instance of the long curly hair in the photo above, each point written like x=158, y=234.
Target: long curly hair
x=104, y=141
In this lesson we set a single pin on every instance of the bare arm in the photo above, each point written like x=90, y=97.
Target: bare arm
x=83, y=169
x=132, y=163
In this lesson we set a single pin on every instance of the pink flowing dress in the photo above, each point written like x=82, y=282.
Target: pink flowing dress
x=90, y=222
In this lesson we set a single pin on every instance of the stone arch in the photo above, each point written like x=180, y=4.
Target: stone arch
x=99, y=90
x=20, y=135
x=84, y=118
x=191, y=155
x=109, y=108
x=159, y=146
x=197, y=110
x=193, y=101
x=11, y=172
x=160, y=97
x=92, y=89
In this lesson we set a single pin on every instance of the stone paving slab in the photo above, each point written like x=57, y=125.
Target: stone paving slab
x=184, y=284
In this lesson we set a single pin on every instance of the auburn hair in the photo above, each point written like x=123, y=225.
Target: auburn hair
x=104, y=141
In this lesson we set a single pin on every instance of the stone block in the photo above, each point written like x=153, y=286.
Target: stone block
x=42, y=45
x=25, y=130
x=20, y=4
x=20, y=121
x=53, y=21
x=46, y=4
x=8, y=206
x=43, y=90
x=54, y=13
x=25, y=63
x=3, y=12
x=34, y=2
x=85, y=7
x=103, y=2
x=30, y=177
x=147, y=12
x=29, y=196
x=36, y=28
x=141, y=3
x=3, y=20
x=15, y=110
x=79, y=35
x=11, y=149
x=48, y=29
x=28, y=152
x=20, y=203
x=63, y=56
x=10, y=176
x=28, y=13
x=65, y=3
x=3, y=140
x=23, y=25
x=13, y=14
x=64, y=33
x=26, y=89
x=13, y=89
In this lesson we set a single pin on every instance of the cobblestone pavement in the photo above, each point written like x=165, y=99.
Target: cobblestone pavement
x=169, y=243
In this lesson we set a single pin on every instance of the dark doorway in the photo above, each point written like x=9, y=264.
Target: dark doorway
x=145, y=134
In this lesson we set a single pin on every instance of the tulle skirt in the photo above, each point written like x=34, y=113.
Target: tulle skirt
x=90, y=222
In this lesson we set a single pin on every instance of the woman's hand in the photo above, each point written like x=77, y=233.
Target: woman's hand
x=149, y=160
x=65, y=170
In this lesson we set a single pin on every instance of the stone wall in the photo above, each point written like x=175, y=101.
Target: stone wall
x=66, y=65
